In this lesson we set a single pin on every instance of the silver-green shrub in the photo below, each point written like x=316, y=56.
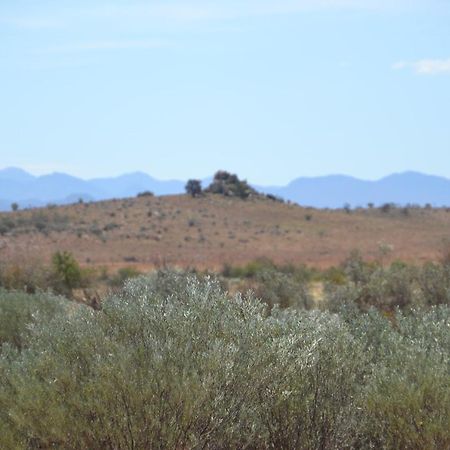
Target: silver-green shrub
x=383, y=288
x=173, y=362
x=407, y=401
x=19, y=311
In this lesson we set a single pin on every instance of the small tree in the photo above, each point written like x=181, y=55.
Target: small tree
x=14, y=206
x=194, y=188
x=67, y=270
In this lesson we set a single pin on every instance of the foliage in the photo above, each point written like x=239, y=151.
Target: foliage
x=230, y=185
x=19, y=311
x=408, y=397
x=282, y=289
x=67, y=272
x=124, y=274
x=172, y=361
x=23, y=274
x=145, y=194
x=249, y=270
x=187, y=370
x=194, y=188
x=434, y=282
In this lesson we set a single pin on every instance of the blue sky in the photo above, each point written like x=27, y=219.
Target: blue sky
x=270, y=89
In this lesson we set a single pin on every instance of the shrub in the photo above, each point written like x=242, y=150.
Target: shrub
x=6, y=225
x=68, y=274
x=356, y=269
x=277, y=288
x=187, y=369
x=249, y=270
x=24, y=274
x=387, y=207
x=171, y=361
x=19, y=311
x=145, y=194
x=124, y=274
x=275, y=198
x=335, y=275
x=434, y=282
x=408, y=396
x=384, y=289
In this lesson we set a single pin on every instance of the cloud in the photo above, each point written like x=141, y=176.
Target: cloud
x=425, y=66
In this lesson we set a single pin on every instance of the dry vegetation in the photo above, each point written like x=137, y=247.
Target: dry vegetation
x=209, y=231
x=270, y=353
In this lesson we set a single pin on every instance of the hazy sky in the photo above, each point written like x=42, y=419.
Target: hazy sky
x=270, y=89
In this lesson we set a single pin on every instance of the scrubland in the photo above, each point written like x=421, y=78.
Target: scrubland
x=252, y=348
x=173, y=360
x=206, y=232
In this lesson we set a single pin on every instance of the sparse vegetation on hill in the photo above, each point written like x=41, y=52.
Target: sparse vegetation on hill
x=209, y=230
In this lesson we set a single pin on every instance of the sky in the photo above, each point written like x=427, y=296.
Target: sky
x=269, y=89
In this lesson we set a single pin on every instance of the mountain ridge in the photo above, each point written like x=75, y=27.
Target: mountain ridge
x=328, y=191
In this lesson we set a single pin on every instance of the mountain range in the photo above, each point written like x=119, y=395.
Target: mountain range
x=17, y=185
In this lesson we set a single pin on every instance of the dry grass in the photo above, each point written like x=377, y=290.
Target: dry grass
x=209, y=231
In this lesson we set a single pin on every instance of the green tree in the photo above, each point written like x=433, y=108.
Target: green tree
x=67, y=270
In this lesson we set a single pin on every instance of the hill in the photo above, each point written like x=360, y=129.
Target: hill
x=208, y=231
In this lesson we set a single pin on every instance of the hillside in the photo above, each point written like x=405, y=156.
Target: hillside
x=209, y=231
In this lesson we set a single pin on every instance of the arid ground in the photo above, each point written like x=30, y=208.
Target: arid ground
x=209, y=231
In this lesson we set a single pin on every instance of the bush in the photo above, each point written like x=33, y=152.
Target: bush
x=408, y=397
x=371, y=285
x=123, y=274
x=277, y=288
x=184, y=370
x=67, y=269
x=23, y=274
x=171, y=361
x=434, y=282
x=6, y=225
x=249, y=270
x=145, y=194
x=19, y=311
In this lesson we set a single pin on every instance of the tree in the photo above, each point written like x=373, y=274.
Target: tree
x=194, y=188
x=67, y=270
x=230, y=185
x=14, y=206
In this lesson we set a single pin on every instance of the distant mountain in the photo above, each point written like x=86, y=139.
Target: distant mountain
x=15, y=174
x=335, y=190
x=130, y=184
x=16, y=185
x=332, y=191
